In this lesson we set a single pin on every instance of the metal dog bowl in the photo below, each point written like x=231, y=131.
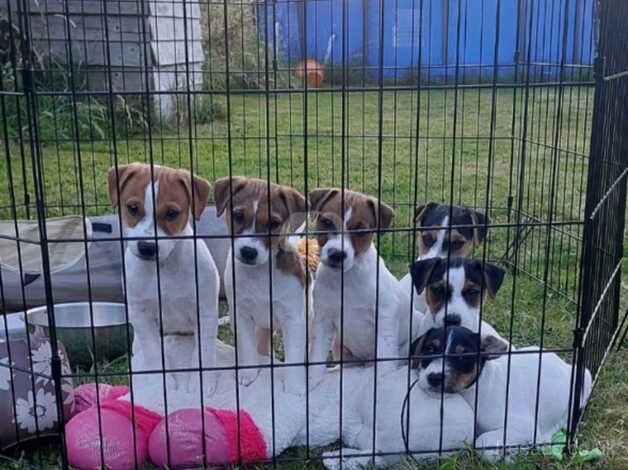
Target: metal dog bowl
x=13, y=329
x=103, y=339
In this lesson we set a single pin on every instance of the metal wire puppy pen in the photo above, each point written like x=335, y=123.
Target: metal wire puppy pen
x=515, y=108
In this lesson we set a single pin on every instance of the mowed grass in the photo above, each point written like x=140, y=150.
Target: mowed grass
x=494, y=151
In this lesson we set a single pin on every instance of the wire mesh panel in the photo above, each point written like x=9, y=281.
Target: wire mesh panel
x=606, y=197
x=359, y=136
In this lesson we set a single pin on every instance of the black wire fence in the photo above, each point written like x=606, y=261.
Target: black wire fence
x=515, y=109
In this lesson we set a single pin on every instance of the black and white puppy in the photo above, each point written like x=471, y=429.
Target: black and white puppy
x=455, y=360
x=454, y=291
x=455, y=232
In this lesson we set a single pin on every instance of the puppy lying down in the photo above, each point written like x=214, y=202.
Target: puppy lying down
x=458, y=362
x=258, y=441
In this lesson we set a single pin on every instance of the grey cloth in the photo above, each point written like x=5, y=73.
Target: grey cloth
x=25, y=288
x=211, y=225
x=104, y=283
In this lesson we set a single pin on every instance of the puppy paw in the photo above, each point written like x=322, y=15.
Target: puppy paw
x=331, y=460
x=210, y=383
x=489, y=445
x=194, y=386
x=173, y=382
x=248, y=376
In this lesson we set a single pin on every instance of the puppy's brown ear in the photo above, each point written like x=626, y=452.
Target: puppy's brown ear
x=199, y=189
x=202, y=189
x=492, y=347
x=296, y=205
x=319, y=197
x=421, y=211
x=385, y=212
x=421, y=272
x=293, y=199
x=224, y=189
x=480, y=226
x=118, y=177
x=415, y=350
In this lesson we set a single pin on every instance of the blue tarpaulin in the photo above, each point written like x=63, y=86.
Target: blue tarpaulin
x=437, y=34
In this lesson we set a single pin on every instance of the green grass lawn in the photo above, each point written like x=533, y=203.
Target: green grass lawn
x=464, y=156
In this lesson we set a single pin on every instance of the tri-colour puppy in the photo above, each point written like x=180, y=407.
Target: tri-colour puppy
x=454, y=291
x=456, y=360
x=352, y=282
x=257, y=226
x=456, y=231
x=163, y=273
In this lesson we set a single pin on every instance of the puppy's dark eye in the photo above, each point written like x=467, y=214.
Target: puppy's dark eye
x=360, y=232
x=172, y=214
x=438, y=291
x=327, y=224
x=237, y=217
x=431, y=350
x=274, y=224
x=471, y=294
x=132, y=209
x=456, y=245
x=428, y=240
x=465, y=363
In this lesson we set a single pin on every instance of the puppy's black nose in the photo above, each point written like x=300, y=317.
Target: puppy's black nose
x=337, y=256
x=435, y=379
x=147, y=249
x=248, y=253
x=453, y=319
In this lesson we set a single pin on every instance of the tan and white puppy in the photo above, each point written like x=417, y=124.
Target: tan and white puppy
x=456, y=231
x=348, y=278
x=162, y=273
x=248, y=278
